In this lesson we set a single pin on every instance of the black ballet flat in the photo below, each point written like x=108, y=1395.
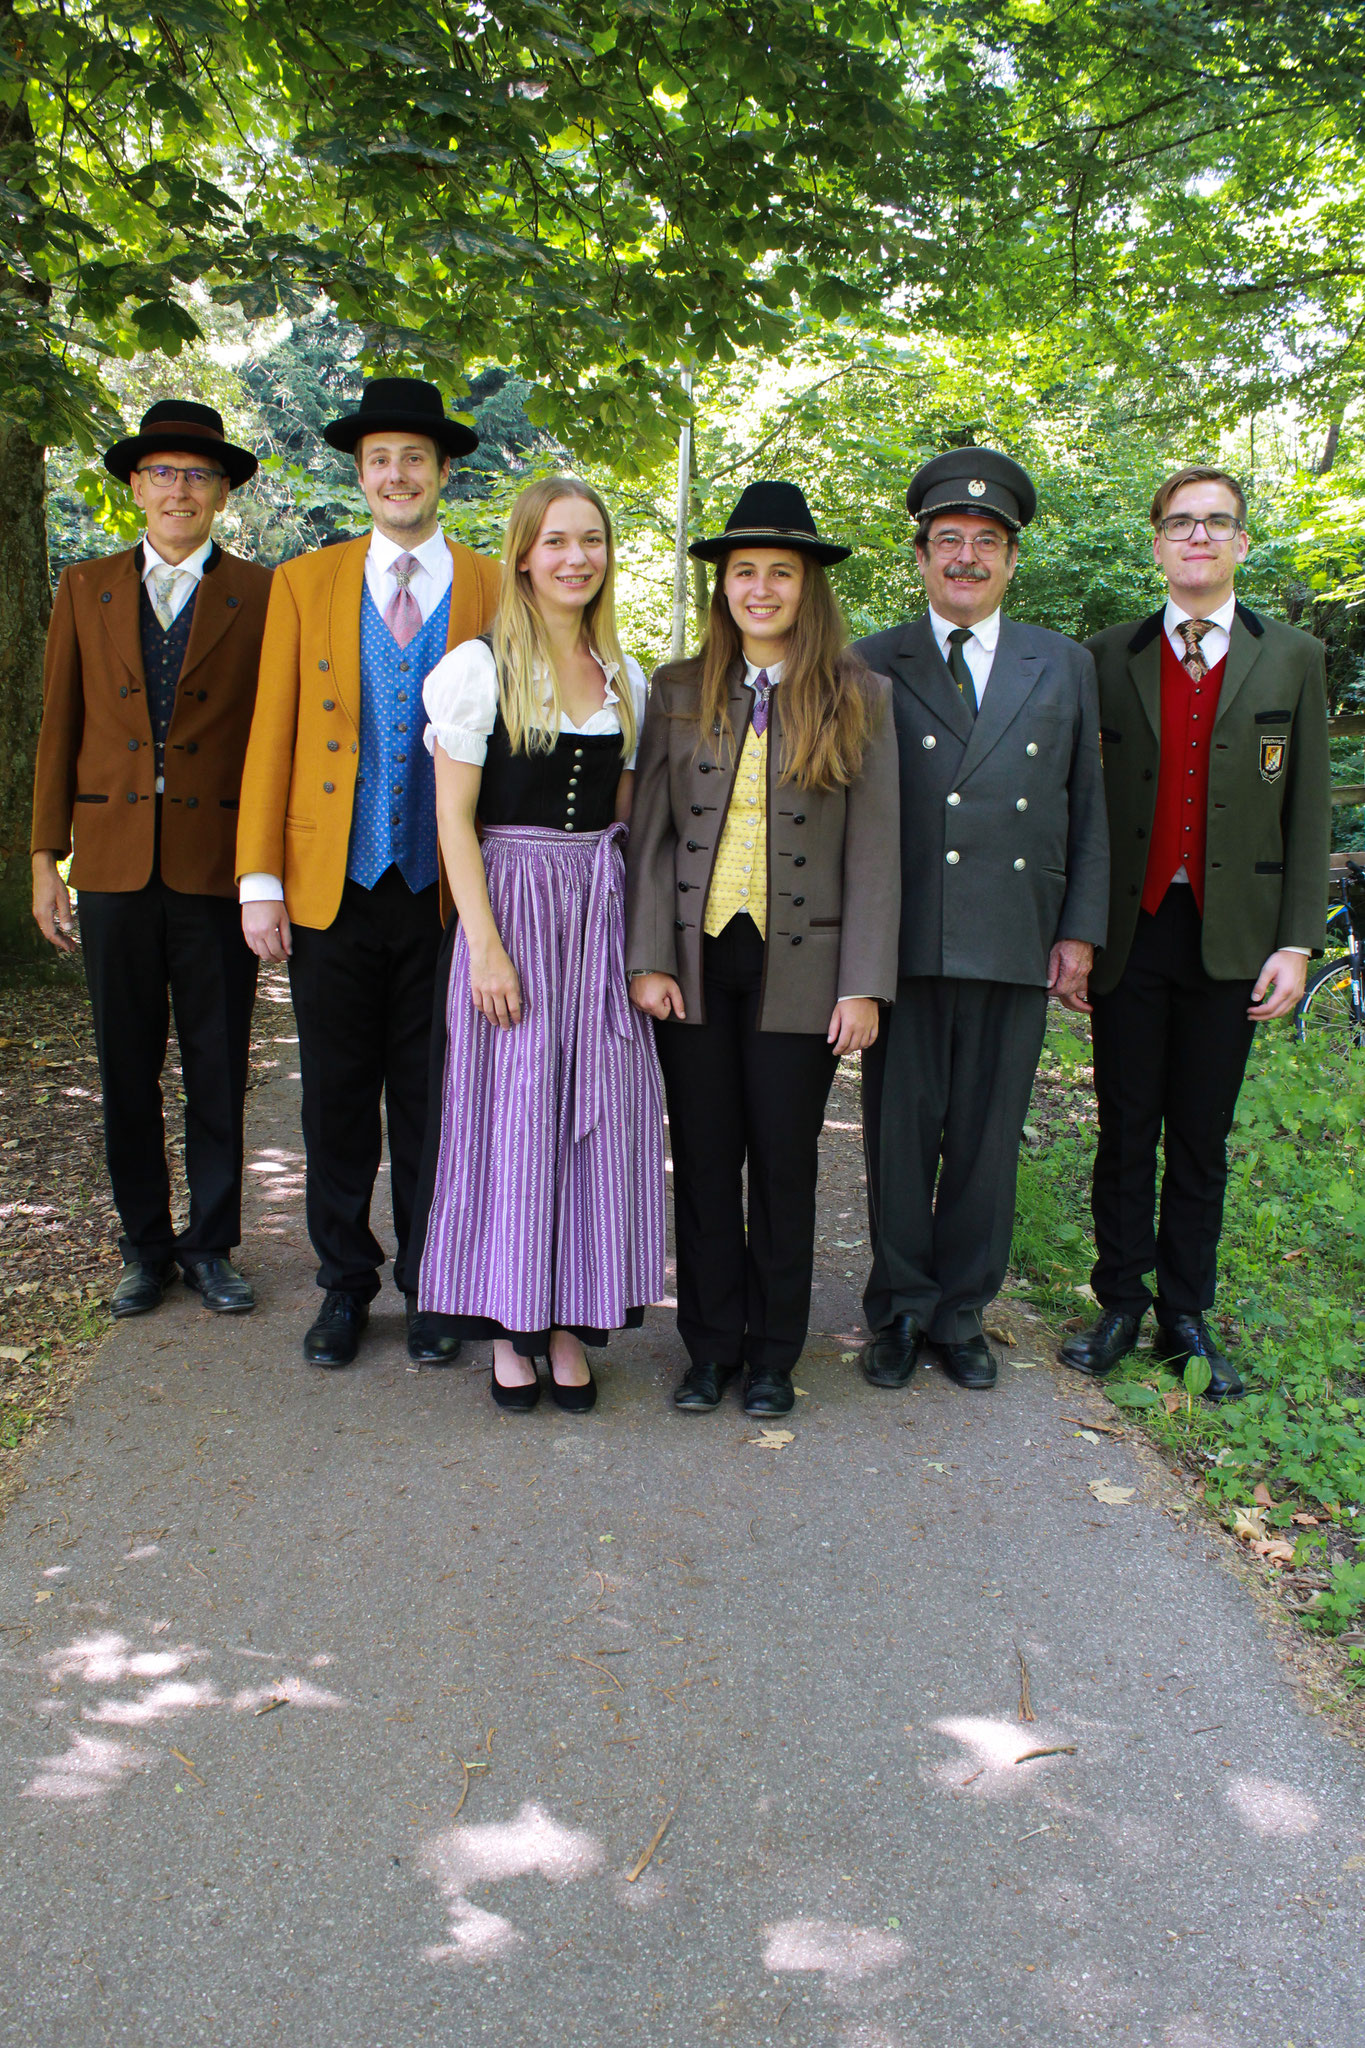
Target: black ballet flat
x=521, y=1400
x=574, y=1400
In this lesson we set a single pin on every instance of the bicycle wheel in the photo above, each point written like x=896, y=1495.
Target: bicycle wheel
x=1327, y=1007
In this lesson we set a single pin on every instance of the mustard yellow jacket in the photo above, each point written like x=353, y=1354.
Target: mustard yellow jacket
x=298, y=787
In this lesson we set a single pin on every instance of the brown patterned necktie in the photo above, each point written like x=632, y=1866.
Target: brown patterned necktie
x=1192, y=632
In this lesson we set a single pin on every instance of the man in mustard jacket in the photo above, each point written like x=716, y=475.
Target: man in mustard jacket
x=337, y=854
x=147, y=693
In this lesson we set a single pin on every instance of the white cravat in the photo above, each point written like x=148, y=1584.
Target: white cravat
x=978, y=652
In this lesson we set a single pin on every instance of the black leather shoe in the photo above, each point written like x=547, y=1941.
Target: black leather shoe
x=430, y=1340
x=334, y=1338
x=889, y=1359
x=971, y=1364
x=1098, y=1350
x=768, y=1391
x=574, y=1400
x=141, y=1288
x=701, y=1387
x=1185, y=1337
x=521, y=1400
x=219, y=1286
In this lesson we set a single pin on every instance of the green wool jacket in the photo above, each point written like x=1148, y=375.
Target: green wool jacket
x=1270, y=804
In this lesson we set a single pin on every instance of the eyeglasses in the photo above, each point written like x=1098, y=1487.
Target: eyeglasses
x=164, y=474
x=1218, y=526
x=987, y=545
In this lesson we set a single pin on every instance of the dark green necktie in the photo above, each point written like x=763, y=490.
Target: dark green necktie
x=958, y=669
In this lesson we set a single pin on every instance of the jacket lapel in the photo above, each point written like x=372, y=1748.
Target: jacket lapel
x=1144, y=666
x=343, y=623
x=122, y=622
x=1244, y=651
x=918, y=664
x=213, y=614
x=1014, y=672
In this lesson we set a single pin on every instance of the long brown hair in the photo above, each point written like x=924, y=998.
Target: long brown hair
x=520, y=647
x=826, y=694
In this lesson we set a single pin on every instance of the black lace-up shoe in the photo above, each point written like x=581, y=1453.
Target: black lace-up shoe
x=141, y=1288
x=1098, y=1350
x=334, y=1338
x=1181, y=1338
x=220, y=1286
x=889, y=1359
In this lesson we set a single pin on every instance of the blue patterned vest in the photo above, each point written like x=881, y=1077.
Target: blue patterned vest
x=394, y=820
x=163, y=657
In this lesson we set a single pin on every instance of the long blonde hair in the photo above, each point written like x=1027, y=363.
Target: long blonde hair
x=826, y=691
x=521, y=646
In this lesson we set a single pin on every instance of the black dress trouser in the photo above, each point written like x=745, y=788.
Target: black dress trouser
x=945, y=1092
x=735, y=1092
x=144, y=950
x=1171, y=1047
x=363, y=990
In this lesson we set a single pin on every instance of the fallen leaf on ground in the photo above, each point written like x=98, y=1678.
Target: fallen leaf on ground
x=1023, y=1364
x=848, y=1358
x=1276, y=1550
x=42, y=1596
x=801, y=1393
x=772, y=1439
x=1089, y=1435
x=1000, y=1334
x=1086, y=1291
x=1263, y=1496
x=15, y=1354
x=1172, y=1400
x=1105, y=1428
x=1306, y=1521
x=1111, y=1496
x=1249, y=1524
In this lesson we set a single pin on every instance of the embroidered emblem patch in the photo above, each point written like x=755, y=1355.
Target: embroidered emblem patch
x=1272, y=755
x=977, y=487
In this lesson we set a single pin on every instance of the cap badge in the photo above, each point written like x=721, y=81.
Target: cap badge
x=977, y=487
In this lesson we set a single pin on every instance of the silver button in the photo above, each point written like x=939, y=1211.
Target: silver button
x=1031, y=748
x=1021, y=803
x=929, y=741
x=1019, y=867
x=955, y=799
x=953, y=859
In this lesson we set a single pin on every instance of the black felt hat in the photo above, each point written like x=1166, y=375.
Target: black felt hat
x=401, y=405
x=175, y=426
x=974, y=480
x=771, y=516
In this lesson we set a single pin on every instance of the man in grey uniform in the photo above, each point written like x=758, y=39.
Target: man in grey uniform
x=1005, y=878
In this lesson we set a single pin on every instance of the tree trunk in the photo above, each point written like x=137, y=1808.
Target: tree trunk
x=1331, y=446
x=25, y=606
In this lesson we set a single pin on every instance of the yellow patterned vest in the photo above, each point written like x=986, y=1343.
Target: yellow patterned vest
x=739, y=879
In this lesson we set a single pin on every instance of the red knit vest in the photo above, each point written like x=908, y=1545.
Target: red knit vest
x=1180, y=827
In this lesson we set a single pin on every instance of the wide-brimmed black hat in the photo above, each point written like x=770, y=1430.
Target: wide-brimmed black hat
x=973, y=480
x=401, y=405
x=175, y=425
x=771, y=516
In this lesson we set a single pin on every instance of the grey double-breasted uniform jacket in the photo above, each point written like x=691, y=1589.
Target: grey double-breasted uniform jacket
x=833, y=875
x=1004, y=844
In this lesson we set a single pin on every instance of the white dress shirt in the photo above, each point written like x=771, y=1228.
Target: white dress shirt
x=978, y=652
x=431, y=579
x=187, y=573
x=754, y=669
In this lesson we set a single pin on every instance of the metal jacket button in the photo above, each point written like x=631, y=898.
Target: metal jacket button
x=679, y=925
x=123, y=689
x=329, y=704
x=796, y=939
x=929, y=740
x=132, y=796
x=953, y=859
x=800, y=818
x=191, y=803
x=333, y=746
x=1021, y=803
x=1031, y=748
x=692, y=846
x=955, y=799
x=329, y=787
x=233, y=603
x=696, y=810
x=798, y=901
x=683, y=888
x=132, y=746
x=800, y=861
x=105, y=598
x=192, y=746
x=1019, y=867
x=324, y=666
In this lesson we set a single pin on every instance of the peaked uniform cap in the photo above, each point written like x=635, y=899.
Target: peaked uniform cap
x=976, y=480
x=771, y=515
x=178, y=426
x=401, y=405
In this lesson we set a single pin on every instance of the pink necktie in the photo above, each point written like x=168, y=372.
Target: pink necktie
x=401, y=614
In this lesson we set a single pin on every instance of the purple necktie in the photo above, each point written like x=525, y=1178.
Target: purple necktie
x=401, y=614
x=760, y=687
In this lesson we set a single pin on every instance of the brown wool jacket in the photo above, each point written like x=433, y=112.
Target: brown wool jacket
x=298, y=791
x=834, y=883
x=95, y=780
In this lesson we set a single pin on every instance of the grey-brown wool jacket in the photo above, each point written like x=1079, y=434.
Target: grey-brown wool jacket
x=834, y=881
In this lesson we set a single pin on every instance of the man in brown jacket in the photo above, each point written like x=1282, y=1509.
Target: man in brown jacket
x=148, y=690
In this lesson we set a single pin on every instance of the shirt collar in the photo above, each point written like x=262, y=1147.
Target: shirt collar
x=385, y=552
x=753, y=670
x=1176, y=614
x=987, y=630
x=193, y=565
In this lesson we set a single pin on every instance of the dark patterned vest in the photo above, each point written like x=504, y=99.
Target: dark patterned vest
x=163, y=657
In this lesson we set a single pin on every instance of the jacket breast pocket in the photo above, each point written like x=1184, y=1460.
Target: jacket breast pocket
x=825, y=924
x=92, y=799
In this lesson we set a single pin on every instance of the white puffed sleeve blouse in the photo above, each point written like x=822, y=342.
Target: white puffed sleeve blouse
x=461, y=699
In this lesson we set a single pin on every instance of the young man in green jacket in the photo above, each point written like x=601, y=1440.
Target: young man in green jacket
x=1213, y=726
